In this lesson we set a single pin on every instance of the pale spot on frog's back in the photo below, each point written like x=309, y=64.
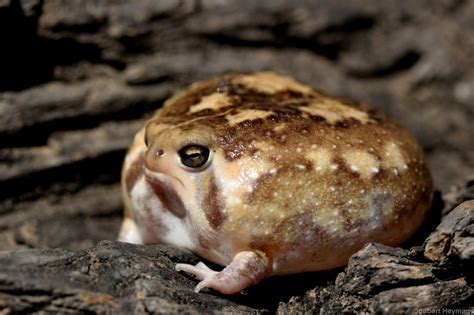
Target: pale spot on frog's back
x=247, y=114
x=393, y=157
x=280, y=127
x=214, y=101
x=361, y=162
x=268, y=82
x=333, y=111
x=300, y=167
x=320, y=158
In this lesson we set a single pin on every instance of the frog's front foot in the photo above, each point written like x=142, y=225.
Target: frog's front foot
x=246, y=269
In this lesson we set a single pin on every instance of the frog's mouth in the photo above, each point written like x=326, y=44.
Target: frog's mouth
x=162, y=186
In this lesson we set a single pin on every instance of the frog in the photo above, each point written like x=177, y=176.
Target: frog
x=265, y=176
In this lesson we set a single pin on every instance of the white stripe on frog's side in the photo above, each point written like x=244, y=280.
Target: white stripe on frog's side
x=149, y=211
x=178, y=232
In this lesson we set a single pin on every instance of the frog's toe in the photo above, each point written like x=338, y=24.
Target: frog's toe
x=246, y=269
x=200, y=271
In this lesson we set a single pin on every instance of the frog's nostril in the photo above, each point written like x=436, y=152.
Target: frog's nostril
x=154, y=157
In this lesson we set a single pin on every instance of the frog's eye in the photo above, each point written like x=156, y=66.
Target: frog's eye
x=194, y=155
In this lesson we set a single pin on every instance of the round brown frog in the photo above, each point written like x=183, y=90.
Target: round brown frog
x=265, y=176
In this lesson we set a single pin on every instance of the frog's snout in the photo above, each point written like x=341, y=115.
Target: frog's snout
x=153, y=157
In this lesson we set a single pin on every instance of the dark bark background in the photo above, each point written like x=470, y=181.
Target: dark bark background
x=78, y=78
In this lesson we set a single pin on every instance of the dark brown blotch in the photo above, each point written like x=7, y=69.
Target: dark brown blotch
x=134, y=172
x=168, y=197
x=251, y=123
x=317, y=118
x=348, y=123
x=307, y=229
x=213, y=206
x=259, y=187
x=376, y=116
x=287, y=95
x=247, y=94
x=344, y=172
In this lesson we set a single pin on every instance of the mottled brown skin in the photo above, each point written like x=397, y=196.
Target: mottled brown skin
x=330, y=175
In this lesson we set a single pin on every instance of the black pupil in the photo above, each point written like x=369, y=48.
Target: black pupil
x=194, y=155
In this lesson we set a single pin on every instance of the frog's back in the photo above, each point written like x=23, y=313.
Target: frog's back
x=327, y=174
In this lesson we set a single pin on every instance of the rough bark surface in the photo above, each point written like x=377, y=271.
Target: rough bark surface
x=78, y=78
x=111, y=277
